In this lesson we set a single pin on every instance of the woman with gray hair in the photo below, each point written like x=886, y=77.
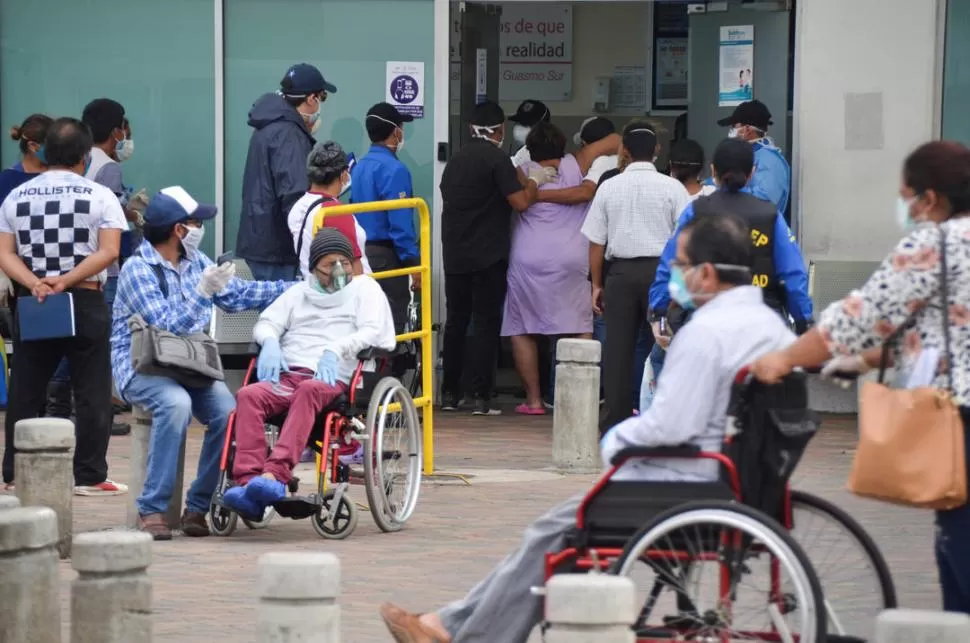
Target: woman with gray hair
x=328, y=169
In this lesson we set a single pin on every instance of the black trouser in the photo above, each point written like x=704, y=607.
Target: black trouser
x=382, y=257
x=625, y=303
x=89, y=359
x=473, y=297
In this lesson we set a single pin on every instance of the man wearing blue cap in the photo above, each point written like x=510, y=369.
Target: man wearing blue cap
x=275, y=177
x=173, y=286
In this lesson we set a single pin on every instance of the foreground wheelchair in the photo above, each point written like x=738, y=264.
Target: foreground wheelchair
x=390, y=467
x=726, y=561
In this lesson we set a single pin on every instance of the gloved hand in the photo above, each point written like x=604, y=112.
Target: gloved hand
x=270, y=362
x=662, y=340
x=138, y=201
x=543, y=175
x=215, y=279
x=327, y=368
x=847, y=364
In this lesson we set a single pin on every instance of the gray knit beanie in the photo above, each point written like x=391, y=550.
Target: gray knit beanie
x=329, y=241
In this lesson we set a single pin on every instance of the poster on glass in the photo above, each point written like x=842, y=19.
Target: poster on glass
x=670, y=79
x=736, y=65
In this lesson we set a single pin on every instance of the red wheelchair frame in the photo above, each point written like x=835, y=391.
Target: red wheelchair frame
x=585, y=557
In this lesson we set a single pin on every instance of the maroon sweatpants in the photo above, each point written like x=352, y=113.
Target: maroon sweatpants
x=303, y=398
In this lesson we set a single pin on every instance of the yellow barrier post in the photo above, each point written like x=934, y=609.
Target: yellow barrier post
x=424, y=269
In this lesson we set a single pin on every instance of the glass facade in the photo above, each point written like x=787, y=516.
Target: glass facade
x=346, y=41
x=104, y=49
x=956, y=72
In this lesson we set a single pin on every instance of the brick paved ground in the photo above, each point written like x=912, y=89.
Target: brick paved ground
x=203, y=587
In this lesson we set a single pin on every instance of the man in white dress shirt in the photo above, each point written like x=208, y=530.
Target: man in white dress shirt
x=732, y=327
x=629, y=222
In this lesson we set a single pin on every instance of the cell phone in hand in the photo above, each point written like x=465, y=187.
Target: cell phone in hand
x=226, y=257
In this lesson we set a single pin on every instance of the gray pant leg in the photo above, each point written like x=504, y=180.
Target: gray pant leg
x=502, y=607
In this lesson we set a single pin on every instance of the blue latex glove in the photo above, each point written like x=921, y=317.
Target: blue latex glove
x=327, y=368
x=270, y=362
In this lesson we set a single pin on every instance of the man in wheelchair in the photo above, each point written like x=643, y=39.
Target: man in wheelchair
x=310, y=338
x=731, y=328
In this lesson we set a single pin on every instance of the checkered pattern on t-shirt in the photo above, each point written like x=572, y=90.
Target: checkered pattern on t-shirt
x=52, y=241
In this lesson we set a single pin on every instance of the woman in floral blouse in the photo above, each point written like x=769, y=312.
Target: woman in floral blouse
x=934, y=200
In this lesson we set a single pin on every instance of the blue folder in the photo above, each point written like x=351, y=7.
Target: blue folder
x=52, y=319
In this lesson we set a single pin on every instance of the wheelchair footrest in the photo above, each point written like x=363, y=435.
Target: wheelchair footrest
x=298, y=507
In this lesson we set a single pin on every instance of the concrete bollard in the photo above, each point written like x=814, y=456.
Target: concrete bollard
x=44, y=470
x=917, y=626
x=298, y=598
x=590, y=608
x=141, y=435
x=111, y=599
x=30, y=583
x=575, y=423
x=9, y=502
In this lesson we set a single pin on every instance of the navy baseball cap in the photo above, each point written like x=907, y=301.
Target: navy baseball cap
x=304, y=79
x=174, y=205
x=530, y=113
x=753, y=113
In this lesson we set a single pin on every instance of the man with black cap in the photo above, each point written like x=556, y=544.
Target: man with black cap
x=275, y=176
x=310, y=338
x=593, y=129
x=772, y=173
x=173, y=286
x=478, y=187
x=392, y=239
x=529, y=114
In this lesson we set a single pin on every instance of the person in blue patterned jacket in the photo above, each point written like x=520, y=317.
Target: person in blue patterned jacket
x=173, y=286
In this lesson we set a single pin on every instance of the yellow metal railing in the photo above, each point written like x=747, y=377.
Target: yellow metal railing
x=424, y=269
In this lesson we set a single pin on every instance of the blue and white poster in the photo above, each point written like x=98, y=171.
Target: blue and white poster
x=735, y=66
x=405, y=87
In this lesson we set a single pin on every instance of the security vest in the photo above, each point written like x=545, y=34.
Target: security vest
x=760, y=216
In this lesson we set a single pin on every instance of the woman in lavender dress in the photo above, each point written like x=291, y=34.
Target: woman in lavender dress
x=548, y=289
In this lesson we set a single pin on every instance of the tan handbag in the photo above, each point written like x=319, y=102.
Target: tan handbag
x=911, y=441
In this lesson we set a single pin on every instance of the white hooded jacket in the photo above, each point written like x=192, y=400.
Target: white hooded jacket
x=307, y=322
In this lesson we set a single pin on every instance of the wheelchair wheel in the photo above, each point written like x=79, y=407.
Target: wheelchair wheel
x=392, y=457
x=343, y=517
x=261, y=524
x=222, y=521
x=855, y=578
x=722, y=571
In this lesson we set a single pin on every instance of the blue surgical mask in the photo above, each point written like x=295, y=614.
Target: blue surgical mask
x=41, y=156
x=677, y=287
x=904, y=217
x=87, y=164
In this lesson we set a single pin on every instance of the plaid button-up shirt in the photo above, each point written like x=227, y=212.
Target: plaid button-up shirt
x=184, y=311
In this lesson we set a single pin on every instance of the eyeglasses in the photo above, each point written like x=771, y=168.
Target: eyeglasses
x=322, y=97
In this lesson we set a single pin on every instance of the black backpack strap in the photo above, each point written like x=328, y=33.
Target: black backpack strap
x=306, y=217
x=160, y=274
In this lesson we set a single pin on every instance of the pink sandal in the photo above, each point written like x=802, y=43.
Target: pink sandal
x=525, y=409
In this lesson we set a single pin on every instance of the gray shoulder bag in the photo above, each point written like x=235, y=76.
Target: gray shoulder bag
x=191, y=360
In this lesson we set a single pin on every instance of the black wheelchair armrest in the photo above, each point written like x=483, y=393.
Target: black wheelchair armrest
x=374, y=353
x=253, y=349
x=679, y=451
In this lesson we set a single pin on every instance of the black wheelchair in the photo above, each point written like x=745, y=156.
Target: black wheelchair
x=748, y=531
x=378, y=413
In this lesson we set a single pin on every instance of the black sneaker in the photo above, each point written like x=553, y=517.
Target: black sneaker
x=450, y=403
x=484, y=407
x=120, y=428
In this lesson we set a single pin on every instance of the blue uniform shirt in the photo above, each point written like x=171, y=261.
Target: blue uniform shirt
x=789, y=267
x=381, y=176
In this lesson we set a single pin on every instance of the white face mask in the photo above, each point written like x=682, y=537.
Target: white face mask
x=734, y=132
x=483, y=131
x=193, y=237
x=400, y=143
x=520, y=133
x=124, y=149
x=904, y=217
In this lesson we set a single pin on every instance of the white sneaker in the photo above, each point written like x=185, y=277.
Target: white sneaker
x=106, y=488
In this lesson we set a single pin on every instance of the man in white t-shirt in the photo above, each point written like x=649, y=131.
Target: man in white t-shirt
x=59, y=233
